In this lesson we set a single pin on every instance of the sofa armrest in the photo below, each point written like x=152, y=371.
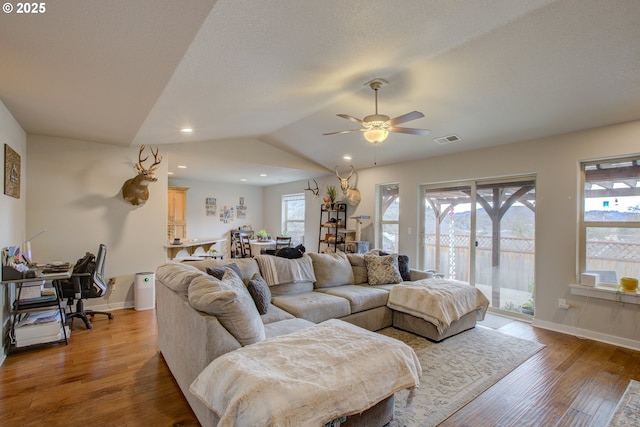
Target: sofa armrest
x=420, y=274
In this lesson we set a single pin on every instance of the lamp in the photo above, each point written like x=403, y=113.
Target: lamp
x=28, y=245
x=376, y=136
x=376, y=124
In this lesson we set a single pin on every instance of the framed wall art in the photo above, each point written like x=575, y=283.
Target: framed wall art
x=11, y=172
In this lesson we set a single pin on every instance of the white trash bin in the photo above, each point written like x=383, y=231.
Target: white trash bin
x=144, y=297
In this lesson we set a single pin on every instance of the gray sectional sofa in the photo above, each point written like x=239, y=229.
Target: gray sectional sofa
x=195, y=326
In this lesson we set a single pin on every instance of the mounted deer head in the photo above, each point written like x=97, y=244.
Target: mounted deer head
x=315, y=191
x=134, y=190
x=352, y=195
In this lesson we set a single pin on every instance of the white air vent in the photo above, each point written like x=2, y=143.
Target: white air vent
x=447, y=139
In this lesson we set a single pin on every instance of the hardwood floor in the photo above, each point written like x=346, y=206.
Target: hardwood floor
x=114, y=375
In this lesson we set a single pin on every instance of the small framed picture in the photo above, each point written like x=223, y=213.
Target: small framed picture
x=11, y=172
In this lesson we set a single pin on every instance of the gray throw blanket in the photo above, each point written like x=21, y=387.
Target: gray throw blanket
x=277, y=270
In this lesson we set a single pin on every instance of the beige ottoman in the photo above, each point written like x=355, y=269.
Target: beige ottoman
x=436, y=308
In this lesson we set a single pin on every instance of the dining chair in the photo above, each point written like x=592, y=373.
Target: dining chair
x=283, y=242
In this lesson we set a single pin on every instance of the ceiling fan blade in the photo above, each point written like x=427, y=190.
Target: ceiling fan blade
x=353, y=119
x=405, y=118
x=410, y=131
x=345, y=131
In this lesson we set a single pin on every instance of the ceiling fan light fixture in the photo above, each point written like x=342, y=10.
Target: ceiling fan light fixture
x=376, y=136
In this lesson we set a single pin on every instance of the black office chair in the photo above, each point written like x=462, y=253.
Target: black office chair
x=87, y=281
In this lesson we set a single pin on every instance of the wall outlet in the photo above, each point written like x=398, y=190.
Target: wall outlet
x=562, y=303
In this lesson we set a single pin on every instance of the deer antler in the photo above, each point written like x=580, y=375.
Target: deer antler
x=156, y=159
x=341, y=178
x=315, y=191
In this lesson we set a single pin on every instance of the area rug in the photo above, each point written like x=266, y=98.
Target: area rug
x=627, y=412
x=456, y=371
x=494, y=321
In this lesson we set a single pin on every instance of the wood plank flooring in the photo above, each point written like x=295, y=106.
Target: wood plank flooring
x=114, y=375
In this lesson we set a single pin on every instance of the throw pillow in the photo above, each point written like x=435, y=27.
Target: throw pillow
x=218, y=272
x=403, y=266
x=359, y=268
x=331, y=270
x=229, y=300
x=382, y=270
x=259, y=291
x=247, y=266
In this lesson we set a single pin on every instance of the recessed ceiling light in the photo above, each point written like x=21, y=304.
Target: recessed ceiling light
x=263, y=174
x=182, y=167
x=243, y=179
x=186, y=130
x=346, y=157
x=169, y=173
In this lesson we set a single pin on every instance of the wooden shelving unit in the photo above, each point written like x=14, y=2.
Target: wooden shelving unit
x=333, y=218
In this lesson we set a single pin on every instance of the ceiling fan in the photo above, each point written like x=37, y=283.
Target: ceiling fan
x=376, y=127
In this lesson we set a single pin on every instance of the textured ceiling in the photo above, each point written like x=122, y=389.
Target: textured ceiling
x=260, y=81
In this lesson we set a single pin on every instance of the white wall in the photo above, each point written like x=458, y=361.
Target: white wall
x=199, y=225
x=555, y=162
x=75, y=194
x=12, y=225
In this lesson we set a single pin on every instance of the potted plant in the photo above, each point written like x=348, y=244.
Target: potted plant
x=527, y=307
x=262, y=235
x=331, y=194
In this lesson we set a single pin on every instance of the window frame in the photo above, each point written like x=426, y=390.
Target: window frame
x=380, y=222
x=285, y=221
x=584, y=225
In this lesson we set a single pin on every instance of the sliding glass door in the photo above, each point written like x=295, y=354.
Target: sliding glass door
x=483, y=233
x=447, y=230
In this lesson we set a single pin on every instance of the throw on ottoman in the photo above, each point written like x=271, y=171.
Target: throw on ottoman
x=307, y=378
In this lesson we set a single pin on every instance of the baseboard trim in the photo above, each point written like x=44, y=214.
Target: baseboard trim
x=584, y=333
x=107, y=307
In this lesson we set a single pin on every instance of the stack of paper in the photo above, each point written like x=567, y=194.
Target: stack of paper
x=30, y=290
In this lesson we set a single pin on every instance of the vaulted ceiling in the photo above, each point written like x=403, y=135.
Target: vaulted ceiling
x=260, y=81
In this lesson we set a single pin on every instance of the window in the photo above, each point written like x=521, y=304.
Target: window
x=293, y=212
x=610, y=218
x=388, y=219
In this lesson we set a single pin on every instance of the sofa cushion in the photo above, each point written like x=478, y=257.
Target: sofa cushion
x=382, y=270
x=291, y=288
x=247, y=266
x=229, y=300
x=360, y=297
x=177, y=276
x=314, y=306
x=260, y=293
x=275, y=314
x=403, y=266
x=285, y=327
x=218, y=272
x=333, y=269
x=359, y=268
